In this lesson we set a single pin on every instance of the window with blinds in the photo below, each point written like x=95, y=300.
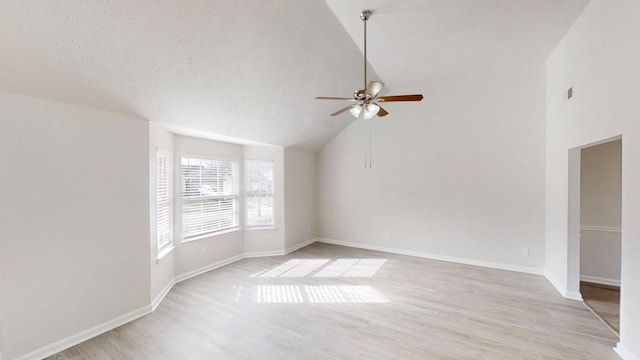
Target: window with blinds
x=164, y=208
x=259, y=194
x=210, y=193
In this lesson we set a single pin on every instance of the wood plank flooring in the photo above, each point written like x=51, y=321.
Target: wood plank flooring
x=333, y=302
x=605, y=301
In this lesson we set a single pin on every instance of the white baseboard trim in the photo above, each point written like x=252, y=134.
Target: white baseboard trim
x=562, y=288
x=574, y=295
x=600, y=280
x=452, y=259
x=158, y=299
x=255, y=254
x=300, y=245
x=85, y=335
x=624, y=353
x=207, y=268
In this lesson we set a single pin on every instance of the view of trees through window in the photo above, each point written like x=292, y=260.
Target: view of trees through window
x=259, y=193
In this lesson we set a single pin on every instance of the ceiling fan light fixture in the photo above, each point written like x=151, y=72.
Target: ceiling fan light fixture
x=370, y=111
x=355, y=110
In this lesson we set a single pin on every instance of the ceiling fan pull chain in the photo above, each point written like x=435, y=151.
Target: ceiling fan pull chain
x=370, y=142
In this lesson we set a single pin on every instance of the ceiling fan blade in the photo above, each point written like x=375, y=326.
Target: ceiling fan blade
x=333, y=98
x=374, y=88
x=341, y=110
x=416, y=97
x=382, y=112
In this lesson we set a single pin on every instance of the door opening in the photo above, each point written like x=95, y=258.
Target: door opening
x=600, y=230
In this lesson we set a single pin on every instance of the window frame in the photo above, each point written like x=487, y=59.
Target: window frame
x=165, y=246
x=271, y=226
x=237, y=197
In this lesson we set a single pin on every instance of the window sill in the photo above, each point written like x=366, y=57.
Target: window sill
x=261, y=228
x=164, y=251
x=210, y=235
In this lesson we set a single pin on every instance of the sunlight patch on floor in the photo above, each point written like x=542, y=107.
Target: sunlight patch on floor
x=297, y=268
x=352, y=268
x=318, y=294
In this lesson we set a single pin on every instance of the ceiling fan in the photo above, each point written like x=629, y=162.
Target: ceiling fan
x=367, y=100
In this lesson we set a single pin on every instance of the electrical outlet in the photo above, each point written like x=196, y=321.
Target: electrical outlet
x=204, y=250
x=524, y=251
x=308, y=229
x=387, y=235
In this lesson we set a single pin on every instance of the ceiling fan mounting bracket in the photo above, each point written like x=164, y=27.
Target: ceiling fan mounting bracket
x=365, y=15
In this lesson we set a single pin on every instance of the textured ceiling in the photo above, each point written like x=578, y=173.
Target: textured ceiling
x=250, y=68
x=412, y=41
x=243, y=69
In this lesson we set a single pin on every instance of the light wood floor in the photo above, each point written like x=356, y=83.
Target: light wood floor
x=332, y=302
x=605, y=301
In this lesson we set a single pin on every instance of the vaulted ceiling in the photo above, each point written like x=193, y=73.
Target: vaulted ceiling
x=249, y=69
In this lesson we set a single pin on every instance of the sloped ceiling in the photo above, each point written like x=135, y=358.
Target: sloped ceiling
x=249, y=69
x=411, y=42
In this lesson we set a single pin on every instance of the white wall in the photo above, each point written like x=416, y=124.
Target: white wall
x=162, y=270
x=75, y=220
x=265, y=241
x=600, y=213
x=300, y=197
x=196, y=254
x=599, y=58
x=459, y=175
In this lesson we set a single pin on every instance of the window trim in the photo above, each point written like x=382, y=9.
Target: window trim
x=238, y=197
x=165, y=248
x=268, y=227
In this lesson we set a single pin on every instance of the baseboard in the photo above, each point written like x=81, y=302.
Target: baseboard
x=207, y=268
x=600, y=280
x=255, y=254
x=85, y=335
x=300, y=245
x=573, y=295
x=158, y=299
x=452, y=259
x=562, y=288
x=624, y=353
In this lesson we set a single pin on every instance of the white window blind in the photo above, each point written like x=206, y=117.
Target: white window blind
x=210, y=192
x=164, y=208
x=259, y=193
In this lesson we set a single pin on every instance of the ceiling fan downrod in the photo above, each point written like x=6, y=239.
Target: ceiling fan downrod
x=365, y=15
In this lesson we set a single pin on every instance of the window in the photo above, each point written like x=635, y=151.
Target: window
x=259, y=194
x=164, y=208
x=210, y=195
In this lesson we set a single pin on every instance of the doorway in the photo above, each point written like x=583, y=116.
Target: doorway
x=600, y=230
